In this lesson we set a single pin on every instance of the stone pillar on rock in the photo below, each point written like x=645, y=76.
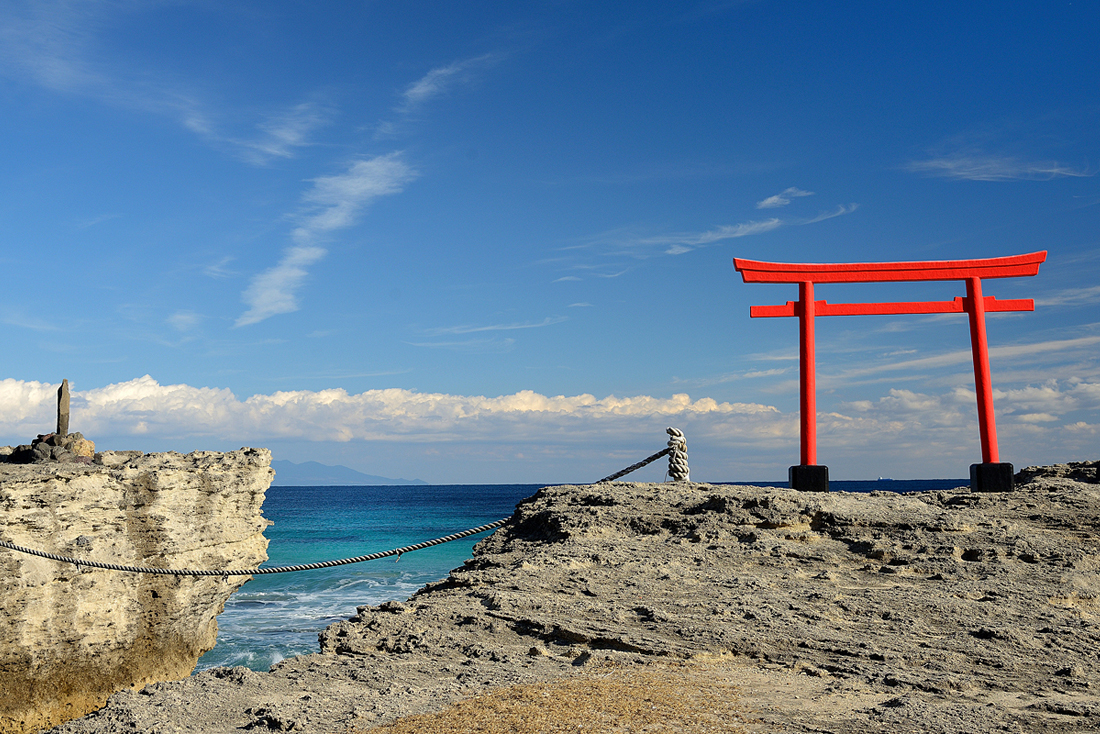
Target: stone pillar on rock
x=63, y=409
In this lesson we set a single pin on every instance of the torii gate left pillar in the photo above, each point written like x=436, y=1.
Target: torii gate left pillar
x=991, y=474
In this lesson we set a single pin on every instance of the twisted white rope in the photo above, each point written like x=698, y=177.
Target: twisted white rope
x=225, y=573
x=677, y=456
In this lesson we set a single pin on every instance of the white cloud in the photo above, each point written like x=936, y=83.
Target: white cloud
x=679, y=243
x=992, y=168
x=731, y=377
x=273, y=291
x=1071, y=297
x=1037, y=418
x=284, y=132
x=27, y=408
x=471, y=346
x=494, y=327
x=19, y=317
x=143, y=406
x=218, y=269
x=963, y=356
x=840, y=211
x=438, y=81
x=184, y=320
x=782, y=199
x=335, y=202
x=45, y=42
x=56, y=45
x=921, y=434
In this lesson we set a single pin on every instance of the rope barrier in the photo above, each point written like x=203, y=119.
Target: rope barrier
x=78, y=562
x=633, y=467
x=678, y=469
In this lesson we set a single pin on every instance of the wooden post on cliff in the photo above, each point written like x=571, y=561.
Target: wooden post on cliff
x=63, y=409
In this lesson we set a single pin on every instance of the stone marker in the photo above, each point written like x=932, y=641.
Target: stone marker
x=63, y=409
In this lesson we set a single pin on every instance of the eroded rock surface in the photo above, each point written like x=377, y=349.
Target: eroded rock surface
x=69, y=638
x=931, y=612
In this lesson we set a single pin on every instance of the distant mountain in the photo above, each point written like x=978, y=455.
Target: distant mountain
x=313, y=474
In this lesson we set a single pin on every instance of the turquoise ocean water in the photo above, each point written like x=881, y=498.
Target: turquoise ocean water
x=277, y=616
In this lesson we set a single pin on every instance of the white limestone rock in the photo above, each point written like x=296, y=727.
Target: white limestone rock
x=69, y=638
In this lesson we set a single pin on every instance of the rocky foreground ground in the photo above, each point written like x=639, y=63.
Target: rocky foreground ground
x=759, y=609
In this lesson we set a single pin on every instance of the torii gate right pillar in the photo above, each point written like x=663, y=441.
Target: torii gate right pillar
x=992, y=475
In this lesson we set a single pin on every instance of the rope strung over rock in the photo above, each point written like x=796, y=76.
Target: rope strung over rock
x=677, y=456
x=677, y=451
x=633, y=467
x=254, y=571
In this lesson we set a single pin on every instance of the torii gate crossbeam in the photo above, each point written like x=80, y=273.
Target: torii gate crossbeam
x=988, y=475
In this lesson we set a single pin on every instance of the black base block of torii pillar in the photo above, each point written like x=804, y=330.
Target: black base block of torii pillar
x=992, y=477
x=809, y=477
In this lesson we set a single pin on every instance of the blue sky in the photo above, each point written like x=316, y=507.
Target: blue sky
x=492, y=242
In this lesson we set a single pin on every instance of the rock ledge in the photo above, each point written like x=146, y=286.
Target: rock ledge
x=945, y=612
x=70, y=638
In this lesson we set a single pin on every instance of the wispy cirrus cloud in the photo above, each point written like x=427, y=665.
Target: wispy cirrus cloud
x=440, y=80
x=219, y=269
x=46, y=43
x=274, y=291
x=20, y=318
x=283, y=132
x=731, y=377
x=782, y=199
x=1071, y=297
x=184, y=320
x=470, y=346
x=966, y=356
x=979, y=167
x=603, y=255
x=628, y=243
x=688, y=241
x=56, y=45
x=840, y=211
x=548, y=321
x=677, y=243
x=334, y=202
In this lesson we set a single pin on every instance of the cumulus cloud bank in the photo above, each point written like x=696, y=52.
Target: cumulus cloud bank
x=1054, y=421
x=144, y=406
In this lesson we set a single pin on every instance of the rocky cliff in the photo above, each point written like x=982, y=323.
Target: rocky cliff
x=949, y=612
x=70, y=637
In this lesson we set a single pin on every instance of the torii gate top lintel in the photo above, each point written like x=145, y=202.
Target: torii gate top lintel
x=806, y=308
x=1014, y=266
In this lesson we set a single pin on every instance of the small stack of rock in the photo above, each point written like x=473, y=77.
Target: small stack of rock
x=57, y=446
x=71, y=447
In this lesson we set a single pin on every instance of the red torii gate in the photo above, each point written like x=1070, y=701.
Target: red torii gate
x=991, y=474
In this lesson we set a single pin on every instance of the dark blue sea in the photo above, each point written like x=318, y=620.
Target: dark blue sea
x=278, y=616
